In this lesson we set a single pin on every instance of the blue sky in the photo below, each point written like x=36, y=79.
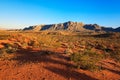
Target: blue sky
x=23, y=13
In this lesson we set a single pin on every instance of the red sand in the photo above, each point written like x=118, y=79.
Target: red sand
x=32, y=64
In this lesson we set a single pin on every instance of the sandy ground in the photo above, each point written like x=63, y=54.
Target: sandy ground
x=51, y=64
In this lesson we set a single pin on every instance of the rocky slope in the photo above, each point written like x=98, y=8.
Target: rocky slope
x=71, y=26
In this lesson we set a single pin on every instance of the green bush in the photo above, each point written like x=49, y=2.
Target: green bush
x=86, y=60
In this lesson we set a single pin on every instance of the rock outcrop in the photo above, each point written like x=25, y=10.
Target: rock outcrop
x=71, y=26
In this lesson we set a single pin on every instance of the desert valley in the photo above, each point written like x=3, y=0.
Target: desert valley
x=64, y=51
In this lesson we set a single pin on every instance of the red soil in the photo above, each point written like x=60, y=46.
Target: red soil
x=36, y=64
x=1, y=46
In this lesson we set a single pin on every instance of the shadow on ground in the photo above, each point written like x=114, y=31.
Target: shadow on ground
x=24, y=56
x=69, y=74
x=36, y=56
x=105, y=67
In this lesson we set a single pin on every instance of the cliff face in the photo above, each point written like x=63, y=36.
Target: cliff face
x=71, y=26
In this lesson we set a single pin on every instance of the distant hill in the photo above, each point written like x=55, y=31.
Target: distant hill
x=71, y=26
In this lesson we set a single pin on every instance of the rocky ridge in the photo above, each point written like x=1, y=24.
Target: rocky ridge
x=71, y=26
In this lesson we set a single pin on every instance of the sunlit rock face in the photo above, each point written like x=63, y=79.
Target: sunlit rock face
x=71, y=26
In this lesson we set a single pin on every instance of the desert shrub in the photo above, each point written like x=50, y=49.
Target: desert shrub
x=86, y=60
x=10, y=48
x=116, y=55
x=68, y=51
x=4, y=36
x=34, y=43
x=101, y=46
x=2, y=51
x=3, y=54
x=24, y=45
